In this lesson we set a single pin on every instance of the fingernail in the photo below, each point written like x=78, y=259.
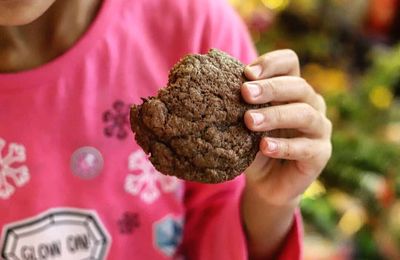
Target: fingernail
x=257, y=118
x=272, y=145
x=253, y=89
x=255, y=70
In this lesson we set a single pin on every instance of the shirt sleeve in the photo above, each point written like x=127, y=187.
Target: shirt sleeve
x=213, y=227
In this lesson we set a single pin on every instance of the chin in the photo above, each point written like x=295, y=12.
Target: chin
x=22, y=12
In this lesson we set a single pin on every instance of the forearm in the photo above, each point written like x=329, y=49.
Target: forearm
x=266, y=225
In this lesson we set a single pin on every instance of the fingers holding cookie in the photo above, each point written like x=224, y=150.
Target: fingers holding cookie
x=282, y=89
x=272, y=64
x=300, y=116
x=297, y=149
x=294, y=105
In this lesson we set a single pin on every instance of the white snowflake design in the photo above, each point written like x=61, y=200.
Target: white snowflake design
x=8, y=171
x=148, y=182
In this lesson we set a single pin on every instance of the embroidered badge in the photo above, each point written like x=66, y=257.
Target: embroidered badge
x=11, y=170
x=145, y=181
x=117, y=120
x=168, y=234
x=62, y=233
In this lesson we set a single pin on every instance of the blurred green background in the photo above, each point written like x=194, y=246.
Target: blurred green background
x=350, y=52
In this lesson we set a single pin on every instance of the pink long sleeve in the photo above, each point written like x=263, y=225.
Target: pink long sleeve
x=213, y=228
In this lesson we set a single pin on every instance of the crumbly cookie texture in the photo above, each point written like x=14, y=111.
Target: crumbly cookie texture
x=194, y=129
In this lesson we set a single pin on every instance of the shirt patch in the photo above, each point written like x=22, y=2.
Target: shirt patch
x=62, y=234
x=11, y=172
x=168, y=234
x=147, y=182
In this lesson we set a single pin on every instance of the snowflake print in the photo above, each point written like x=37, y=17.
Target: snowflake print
x=117, y=120
x=148, y=182
x=9, y=171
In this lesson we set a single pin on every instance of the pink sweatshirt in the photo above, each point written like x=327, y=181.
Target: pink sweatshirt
x=73, y=182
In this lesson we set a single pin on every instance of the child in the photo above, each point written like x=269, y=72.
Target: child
x=73, y=183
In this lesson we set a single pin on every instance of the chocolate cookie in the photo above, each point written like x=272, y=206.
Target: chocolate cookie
x=194, y=128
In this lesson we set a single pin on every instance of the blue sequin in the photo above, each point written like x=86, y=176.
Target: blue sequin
x=168, y=235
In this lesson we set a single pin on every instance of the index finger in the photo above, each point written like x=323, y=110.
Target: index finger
x=282, y=89
x=272, y=64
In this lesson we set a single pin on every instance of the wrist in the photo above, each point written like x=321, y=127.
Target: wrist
x=270, y=197
x=266, y=223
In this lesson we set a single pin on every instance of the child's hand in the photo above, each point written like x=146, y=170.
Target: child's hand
x=297, y=107
x=288, y=162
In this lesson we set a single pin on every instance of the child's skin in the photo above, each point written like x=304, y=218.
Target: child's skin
x=33, y=32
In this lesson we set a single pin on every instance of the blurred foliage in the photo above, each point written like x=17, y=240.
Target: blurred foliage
x=347, y=54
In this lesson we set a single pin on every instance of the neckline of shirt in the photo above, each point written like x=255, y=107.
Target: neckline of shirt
x=62, y=64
